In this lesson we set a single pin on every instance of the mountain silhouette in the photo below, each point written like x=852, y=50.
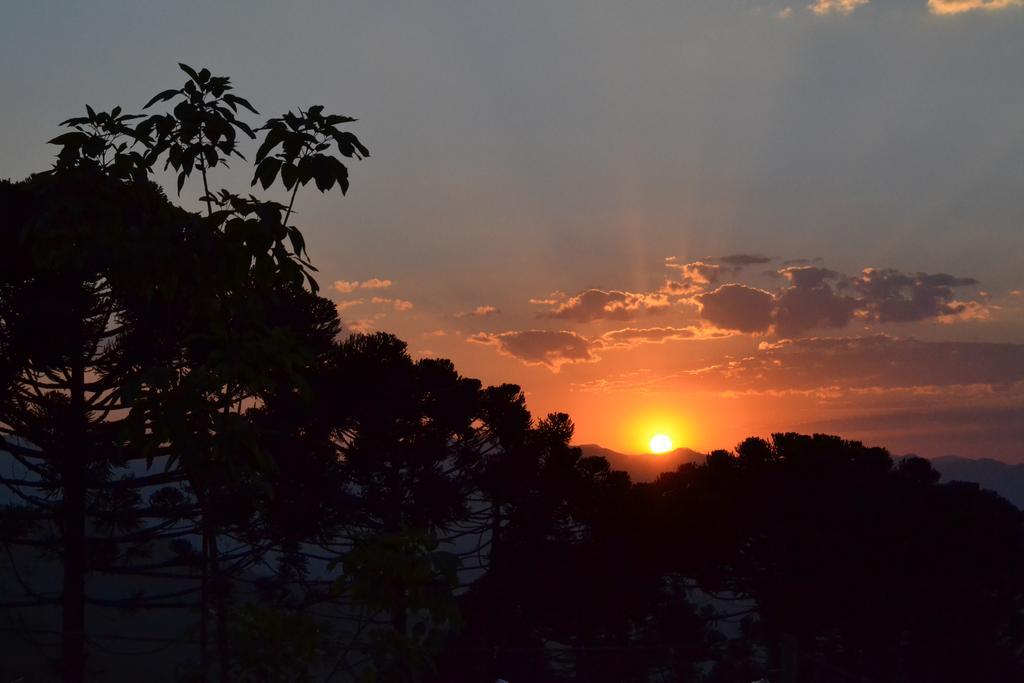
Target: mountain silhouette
x=645, y=466
x=1005, y=479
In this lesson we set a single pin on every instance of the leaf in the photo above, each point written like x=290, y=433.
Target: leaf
x=349, y=145
x=298, y=243
x=335, y=119
x=323, y=172
x=272, y=140
x=74, y=138
x=161, y=97
x=241, y=101
x=341, y=174
x=288, y=175
x=244, y=127
x=266, y=172
x=181, y=180
x=190, y=71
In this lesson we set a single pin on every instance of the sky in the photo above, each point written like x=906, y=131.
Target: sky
x=712, y=219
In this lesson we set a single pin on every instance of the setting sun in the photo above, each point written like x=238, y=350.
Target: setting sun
x=660, y=444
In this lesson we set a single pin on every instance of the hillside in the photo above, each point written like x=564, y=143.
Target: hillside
x=645, y=466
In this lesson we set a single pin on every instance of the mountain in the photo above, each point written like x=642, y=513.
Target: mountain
x=1005, y=479
x=646, y=466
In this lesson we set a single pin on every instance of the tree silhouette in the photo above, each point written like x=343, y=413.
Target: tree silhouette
x=135, y=322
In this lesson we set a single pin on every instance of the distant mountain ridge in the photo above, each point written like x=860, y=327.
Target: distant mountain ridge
x=1005, y=479
x=645, y=466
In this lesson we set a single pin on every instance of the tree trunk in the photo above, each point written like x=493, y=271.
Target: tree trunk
x=220, y=588
x=204, y=595
x=72, y=661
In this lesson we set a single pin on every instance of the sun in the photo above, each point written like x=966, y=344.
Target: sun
x=660, y=444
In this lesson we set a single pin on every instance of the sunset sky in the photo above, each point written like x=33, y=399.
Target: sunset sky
x=709, y=219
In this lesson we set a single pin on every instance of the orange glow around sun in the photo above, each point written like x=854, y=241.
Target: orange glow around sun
x=660, y=443
x=656, y=432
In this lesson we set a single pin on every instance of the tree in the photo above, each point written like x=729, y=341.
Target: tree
x=165, y=335
x=870, y=565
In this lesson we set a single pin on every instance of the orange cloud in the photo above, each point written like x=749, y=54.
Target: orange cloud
x=397, y=304
x=359, y=326
x=598, y=304
x=693, y=277
x=949, y=7
x=479, y=312
x=631, y=336
x=822, y=7
x=348, y=286
x=349, y=303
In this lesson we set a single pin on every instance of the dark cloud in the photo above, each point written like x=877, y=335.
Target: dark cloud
x=738, y=307
x=811, y=302
x=893, y=296
x=875, y=362
x=552, y=349
x=741, y=260
x=598, y=304
x=819, y=298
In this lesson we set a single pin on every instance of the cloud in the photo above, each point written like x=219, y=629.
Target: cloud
x=737, y=307
x=821, y=298
x=693, y=277
x=359, y=326
x=348, y=286
x=811, y=302
x=968, y=310
x=632, y=336
x=349, y=303
x=552, y=349
x=741, y=260
x=822, y=7
x=785, y=13
x=949, y=7
x=893, y=296
x=397, y=304
x=598, y=304
x=875, y=362
x=479, y=312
